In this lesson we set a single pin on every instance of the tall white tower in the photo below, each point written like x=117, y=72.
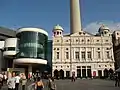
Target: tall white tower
x=75, y=18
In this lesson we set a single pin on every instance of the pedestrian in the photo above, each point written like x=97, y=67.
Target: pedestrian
x=73, y=78
x=1, y=80
x=52, y=84
x=49, y=82
x=5, y=78
x=11, y=81
x=39, y=84
x=117, y=80
x=17, y=81
x=23, y=81
x=1, y=77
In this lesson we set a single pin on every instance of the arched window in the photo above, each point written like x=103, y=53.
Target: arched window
x=57, y=33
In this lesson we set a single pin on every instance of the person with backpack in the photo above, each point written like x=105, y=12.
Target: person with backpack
x=39, y=84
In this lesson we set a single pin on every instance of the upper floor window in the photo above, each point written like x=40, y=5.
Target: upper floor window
x=106, y=40
x=107, y=48
x=80, y=33
x=98, y=55
x=83, y=55
x=9, y=49
x=77, y=55
x=107, y=53
x=67, y=55
x=66, y=48
x=66, y=40
x=76, y=40
x=57, y=40
x=57, y=33
x=105, y=32
x=82, y=40
x=57, y=48
x=97, y=40
x=89, y=55
x=57, y=55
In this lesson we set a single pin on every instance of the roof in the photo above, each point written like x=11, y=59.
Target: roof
x=57, y=27
x=7, y=32
x=103, y=27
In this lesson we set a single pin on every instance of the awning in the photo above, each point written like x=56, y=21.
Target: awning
x=118, y=70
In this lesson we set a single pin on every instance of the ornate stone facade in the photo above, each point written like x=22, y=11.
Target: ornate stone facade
x=83, y=53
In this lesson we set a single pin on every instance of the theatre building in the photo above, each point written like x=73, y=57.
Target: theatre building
x=80, y=52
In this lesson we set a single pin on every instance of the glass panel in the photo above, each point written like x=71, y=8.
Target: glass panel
x=32, y=45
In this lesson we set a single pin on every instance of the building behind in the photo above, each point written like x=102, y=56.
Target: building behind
x=27, y=49
x=116, y=46
x=81, y=53
x=4, y=34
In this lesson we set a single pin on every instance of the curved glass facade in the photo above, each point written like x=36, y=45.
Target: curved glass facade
x=32, y=45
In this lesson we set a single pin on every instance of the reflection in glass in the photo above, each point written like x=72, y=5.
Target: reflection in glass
x=32, y=45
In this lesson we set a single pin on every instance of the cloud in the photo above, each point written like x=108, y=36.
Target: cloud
x=94, y=26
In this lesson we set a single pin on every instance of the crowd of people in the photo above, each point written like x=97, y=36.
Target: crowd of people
x=15, y=80
x=12, y=80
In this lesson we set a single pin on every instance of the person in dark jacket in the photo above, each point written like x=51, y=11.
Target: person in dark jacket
x=117, y=80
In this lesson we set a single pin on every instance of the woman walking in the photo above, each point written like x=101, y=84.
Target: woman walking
x=39, y=84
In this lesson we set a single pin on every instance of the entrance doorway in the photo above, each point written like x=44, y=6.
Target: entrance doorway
x=89, y=73
x=78, y=73
x=106, y=73
x=84, y=73
x=61, y=74
x=56, y=74
x=100, y=73
x=67, y=74
x=111, y=72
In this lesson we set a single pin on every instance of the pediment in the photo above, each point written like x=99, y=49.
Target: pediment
x=82, y=33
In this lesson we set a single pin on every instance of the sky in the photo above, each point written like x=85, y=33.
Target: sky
x=47, y=13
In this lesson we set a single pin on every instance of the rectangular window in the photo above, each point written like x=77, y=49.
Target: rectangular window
x=89, y=55
x=57, y=55
x=83, y=55
x=77, y=55
x=108, y=56
x=98, y=55
x=67, y=55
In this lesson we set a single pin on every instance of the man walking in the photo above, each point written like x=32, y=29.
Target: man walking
x=17, y=78
x=11, y=82
x=117, y=81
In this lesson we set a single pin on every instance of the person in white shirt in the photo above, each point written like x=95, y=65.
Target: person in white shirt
x=17, y=78
x=11, y=82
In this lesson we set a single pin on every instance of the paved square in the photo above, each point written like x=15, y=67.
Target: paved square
x=86, y=85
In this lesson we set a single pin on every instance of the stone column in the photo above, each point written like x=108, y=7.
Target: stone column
x=75, y=20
